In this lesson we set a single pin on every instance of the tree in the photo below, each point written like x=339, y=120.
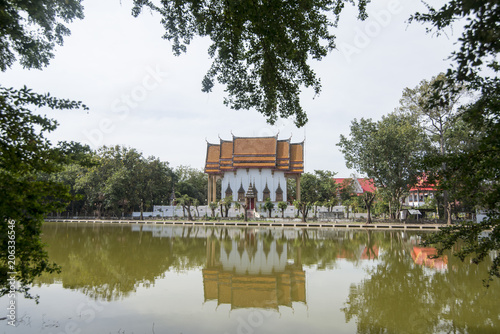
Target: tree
x=282, y=206
x=331, y=204
x=91, y=184
x=291, y=189
x=260, y=48
x=381, y=206
x=346, y=191
x=353, y=203
x=268, y=206
x=27, y=196
x=20, y=21
x=368, y=198
x=245, y=205
x=388, y=151
x=237, y=206
x=122, y=180
x=309, y=193
x=186, y=202
x=78, y=158
x=213, y=207
x=191, y=181
x=75, y=152
x=327, y=186
x=226, y=204
x=221, y=207
x=29, y=30
x=157, y=179
x=438, y=119
x=476, y=68
x=315, y=189
x=196, y=204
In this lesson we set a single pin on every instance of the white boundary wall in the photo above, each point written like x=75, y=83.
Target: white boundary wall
x=168, y=211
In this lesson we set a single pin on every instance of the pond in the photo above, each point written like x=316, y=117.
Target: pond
x=165, y=279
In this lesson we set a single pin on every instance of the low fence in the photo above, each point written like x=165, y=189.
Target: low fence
x=263, y=223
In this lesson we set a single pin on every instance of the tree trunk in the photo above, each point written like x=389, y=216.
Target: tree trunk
x=368, y=199
x=446, y=204
x=368, y=215
x=99, y=206
x=448, y=211
x=188, y=208
x=305, y=211
x=391, y=214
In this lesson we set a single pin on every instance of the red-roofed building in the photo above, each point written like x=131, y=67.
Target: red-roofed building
x=360, y=185
x=420, y=192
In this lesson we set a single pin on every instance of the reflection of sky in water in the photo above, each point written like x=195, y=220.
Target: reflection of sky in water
x=188, y=299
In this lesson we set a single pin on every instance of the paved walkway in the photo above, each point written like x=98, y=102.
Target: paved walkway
x=336, y=224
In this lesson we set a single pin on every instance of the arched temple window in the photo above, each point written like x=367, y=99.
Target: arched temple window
x=279, y=194
x=241, y=193
x=266, y=193
x=229, y=191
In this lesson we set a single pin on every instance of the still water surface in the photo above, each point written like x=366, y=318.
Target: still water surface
x=162, y=279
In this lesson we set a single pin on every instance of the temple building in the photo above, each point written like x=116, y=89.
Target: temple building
x=253, y=168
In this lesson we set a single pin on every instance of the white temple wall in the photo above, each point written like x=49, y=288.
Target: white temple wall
x=257, y=176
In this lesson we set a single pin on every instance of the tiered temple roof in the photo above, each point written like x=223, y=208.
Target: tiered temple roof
x=255, y=152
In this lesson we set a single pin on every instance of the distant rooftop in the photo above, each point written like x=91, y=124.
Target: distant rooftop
x=366, y=185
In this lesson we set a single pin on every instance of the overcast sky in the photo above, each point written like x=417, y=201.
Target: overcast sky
x=142, y=96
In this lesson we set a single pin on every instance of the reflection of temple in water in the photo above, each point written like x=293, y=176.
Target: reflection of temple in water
x=252, y=273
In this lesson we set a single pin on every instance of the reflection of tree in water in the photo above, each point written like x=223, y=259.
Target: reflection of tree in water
x=403, y=297
x=109, y=262
x=324, y=249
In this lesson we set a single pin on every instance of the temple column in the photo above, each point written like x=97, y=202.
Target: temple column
x=298, y=187
x=209, y=191
x=214, y=188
